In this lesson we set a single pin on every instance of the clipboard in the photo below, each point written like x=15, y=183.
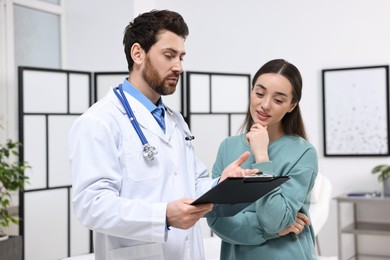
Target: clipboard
x=236, y=193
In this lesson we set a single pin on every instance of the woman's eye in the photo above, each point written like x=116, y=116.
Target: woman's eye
x=259, y=94
x=278, y=101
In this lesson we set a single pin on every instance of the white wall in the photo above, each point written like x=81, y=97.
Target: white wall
x=239, y=36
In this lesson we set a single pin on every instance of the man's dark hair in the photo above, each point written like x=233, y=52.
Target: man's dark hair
x=145, y=28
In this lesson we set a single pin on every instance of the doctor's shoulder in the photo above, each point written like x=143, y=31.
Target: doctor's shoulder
x=104, y=113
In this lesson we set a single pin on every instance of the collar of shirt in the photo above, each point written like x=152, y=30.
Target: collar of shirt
x=156, y=111
x=133, y=91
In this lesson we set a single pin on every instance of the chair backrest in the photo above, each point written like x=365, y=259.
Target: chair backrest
x=320, y=202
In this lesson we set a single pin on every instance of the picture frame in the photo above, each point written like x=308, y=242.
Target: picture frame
x=356, y=111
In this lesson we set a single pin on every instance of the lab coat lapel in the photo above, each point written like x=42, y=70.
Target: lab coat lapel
x=170, y=125
x=145, y=118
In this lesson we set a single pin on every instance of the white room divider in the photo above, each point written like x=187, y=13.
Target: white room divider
x=49, y=101
x=216, y=104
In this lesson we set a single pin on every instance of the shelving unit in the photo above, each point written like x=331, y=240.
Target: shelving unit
x=360, y=227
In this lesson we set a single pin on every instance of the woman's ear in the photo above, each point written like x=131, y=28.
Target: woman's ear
x=137, y=53
x=292, y=106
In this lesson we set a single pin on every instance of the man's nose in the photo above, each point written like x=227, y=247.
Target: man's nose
x=177, y=67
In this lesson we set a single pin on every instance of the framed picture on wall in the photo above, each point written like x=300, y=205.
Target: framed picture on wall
x=356, y=111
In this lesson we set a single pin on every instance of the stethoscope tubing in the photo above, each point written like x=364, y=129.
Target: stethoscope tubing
x=148, y=150
x=130, y=114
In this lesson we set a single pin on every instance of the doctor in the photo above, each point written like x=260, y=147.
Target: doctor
x=134, y=171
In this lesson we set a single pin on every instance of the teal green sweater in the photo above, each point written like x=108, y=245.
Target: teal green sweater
x=252, y=233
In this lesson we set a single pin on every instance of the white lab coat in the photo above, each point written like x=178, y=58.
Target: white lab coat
x=120, y=195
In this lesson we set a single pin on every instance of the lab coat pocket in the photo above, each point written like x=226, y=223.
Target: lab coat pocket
x=141, y=169
x=146, y=251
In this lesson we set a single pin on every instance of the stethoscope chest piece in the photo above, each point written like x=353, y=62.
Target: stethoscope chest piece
x=149, y=151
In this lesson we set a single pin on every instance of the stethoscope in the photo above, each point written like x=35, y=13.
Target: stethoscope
x=149, y=151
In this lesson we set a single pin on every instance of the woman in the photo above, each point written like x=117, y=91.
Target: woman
x=275, y=226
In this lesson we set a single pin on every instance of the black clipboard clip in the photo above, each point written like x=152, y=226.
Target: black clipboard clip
x=258, y=177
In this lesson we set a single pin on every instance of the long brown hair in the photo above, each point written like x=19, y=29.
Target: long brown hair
x=292, y=122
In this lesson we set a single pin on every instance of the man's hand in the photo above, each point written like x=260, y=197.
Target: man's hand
x=180, y=214
x=299, y=224
x=234, y=169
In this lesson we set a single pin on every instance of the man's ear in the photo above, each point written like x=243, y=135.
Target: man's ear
x=137, y=53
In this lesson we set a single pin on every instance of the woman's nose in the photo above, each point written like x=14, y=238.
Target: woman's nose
x=265, y=103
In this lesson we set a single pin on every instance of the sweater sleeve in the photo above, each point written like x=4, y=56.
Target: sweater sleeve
x=242, y=229
x=278, y=209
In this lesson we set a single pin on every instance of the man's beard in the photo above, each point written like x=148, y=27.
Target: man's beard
x=151, y=77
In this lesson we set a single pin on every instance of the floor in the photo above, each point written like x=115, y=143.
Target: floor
x=90, y=257
x=211, y=251
x=212, y=244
